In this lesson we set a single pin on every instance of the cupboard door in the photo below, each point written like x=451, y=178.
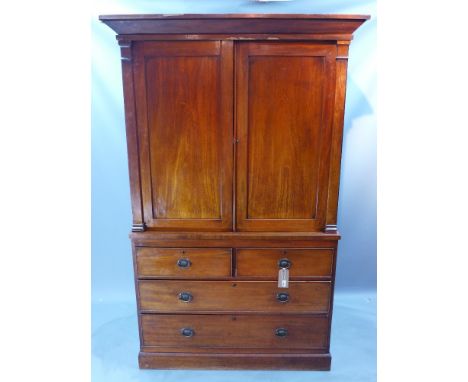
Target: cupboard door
x=184, y=106
x=284, y=108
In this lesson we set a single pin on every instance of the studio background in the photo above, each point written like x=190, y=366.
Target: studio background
x=112, y=273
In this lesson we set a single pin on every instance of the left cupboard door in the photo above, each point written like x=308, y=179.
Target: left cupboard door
x=184, y=106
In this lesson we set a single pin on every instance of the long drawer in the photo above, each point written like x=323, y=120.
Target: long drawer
x=265, y=262
x=246, y=331
x=228, y=296
x=183, y=262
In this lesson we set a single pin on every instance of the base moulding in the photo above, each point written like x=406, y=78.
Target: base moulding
x=229, y=361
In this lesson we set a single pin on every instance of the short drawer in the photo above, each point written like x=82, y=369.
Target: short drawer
x=226, y=296
x=233, y=331
x=183, y=262
x=301, y=262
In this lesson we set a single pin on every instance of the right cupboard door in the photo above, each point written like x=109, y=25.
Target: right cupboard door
x=285, y=94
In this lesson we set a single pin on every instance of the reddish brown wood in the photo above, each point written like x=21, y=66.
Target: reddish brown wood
x=226, y=296
x=237, y=37
x=234, y=239
x=231, y=331
x=262, y=262
x=337, y=137
x=238, y=243
x=238, y=350
x=234, y=23
x=235, y=360
x=201, y=262
x=184, y=110
x=241, y=236
x=137, y=292
x=283, y=102
x=132, y=138
x=234, y=130
x=332, y=294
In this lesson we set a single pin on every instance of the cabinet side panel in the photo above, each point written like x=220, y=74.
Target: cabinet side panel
x=337, y=136
x=131, y=133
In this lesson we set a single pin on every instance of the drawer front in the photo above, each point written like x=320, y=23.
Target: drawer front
x=227, y=296
x=183, y=262
x=246, y=331
x=301, y=262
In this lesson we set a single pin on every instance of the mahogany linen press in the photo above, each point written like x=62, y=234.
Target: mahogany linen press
x=234, y=127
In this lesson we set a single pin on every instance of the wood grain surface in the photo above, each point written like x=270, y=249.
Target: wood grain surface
x=226, y=296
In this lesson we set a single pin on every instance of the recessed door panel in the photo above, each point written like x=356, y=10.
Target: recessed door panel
x=284, y=108
x=184, y=92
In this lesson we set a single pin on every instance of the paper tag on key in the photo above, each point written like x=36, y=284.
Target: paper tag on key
x=283, y=278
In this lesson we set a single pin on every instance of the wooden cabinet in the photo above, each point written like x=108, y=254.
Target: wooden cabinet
x=234, y=127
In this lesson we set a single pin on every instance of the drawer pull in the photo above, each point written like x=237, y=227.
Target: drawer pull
x=281, y=332
x=284, y=263
x=184, y=263
x=185, y=296
x=187, y=332
x=282, y=297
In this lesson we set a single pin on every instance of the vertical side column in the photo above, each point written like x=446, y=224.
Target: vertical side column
x=337, y=136
x=138, y=224
x=227, y=109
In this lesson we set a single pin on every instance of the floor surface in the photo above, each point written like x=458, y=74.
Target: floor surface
x=353, y=347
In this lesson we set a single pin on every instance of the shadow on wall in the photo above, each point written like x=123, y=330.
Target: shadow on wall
x=357, y=206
